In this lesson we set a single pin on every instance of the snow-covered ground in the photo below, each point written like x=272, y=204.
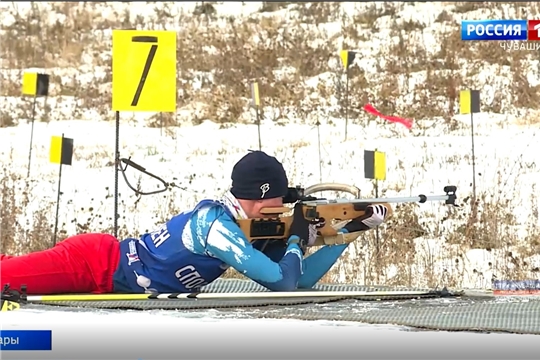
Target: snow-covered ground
x=199, y=158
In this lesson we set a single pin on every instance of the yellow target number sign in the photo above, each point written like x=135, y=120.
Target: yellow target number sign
x=144, y=71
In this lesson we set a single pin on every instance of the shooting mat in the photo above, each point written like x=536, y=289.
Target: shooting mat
x=433, y=309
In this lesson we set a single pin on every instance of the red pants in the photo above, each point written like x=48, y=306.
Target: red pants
x=80, y=264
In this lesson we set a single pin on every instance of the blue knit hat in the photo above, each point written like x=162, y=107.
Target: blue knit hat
x=259, y=176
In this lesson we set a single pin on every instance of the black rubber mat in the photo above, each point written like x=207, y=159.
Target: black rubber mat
x=432, y=309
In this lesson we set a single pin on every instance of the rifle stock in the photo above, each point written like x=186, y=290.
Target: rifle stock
x=277, y=226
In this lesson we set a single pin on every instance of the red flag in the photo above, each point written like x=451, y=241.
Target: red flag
x=372, y=110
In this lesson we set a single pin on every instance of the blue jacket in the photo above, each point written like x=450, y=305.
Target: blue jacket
x=196, y=247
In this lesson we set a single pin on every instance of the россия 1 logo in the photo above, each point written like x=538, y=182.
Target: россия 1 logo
x=500, y=30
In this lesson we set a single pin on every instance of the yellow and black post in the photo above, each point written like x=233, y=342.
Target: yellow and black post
x=61, y=152
x=469, y=103
x=256, y=104
x=347, y=58
x=375, y=169
x=34, y=84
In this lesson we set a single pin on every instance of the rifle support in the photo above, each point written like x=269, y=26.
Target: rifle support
x=129, y=162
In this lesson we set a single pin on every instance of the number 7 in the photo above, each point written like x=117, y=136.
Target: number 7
x=149, y=59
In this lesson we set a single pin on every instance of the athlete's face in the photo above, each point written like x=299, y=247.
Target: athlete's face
x=258, y=205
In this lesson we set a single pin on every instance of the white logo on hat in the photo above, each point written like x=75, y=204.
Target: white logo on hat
x=264, y=188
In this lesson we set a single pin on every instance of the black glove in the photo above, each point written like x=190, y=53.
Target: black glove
x=373, y=217
x=300, y=227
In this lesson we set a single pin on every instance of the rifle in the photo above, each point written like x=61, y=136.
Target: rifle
x=276, y=226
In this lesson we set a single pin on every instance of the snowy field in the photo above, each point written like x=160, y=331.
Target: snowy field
x=199, y=159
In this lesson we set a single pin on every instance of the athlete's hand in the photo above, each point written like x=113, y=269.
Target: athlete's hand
x=303, y=231
x=300, y=229
x=373, y=217
x=314, y=227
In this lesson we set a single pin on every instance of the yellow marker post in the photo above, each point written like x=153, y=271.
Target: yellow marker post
x=34, y=84
x=143, y=79
x=375, y=168
x=374, y=165
x=469, y=103
x=255, y=98
x=347, y=58
x=61, y=152
x=256, y=104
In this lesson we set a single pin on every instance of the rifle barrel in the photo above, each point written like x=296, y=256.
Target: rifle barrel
x=420, y=198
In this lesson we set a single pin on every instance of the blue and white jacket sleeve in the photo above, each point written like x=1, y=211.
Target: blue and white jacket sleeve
x=316, y=265
x=226, y=241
